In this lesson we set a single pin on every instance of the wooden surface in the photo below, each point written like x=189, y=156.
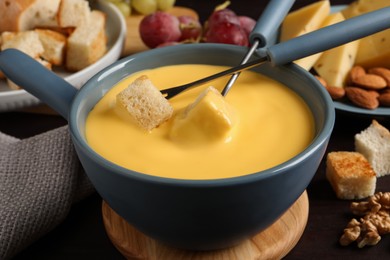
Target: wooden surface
x=273, y=243
x=82, y=234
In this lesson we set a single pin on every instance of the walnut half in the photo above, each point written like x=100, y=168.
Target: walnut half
x=375, y=221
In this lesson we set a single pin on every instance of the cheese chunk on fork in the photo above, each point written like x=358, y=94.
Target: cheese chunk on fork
x=209, y=118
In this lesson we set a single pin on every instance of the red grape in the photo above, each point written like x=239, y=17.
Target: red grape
x=223, y=26
x=228, y=33
x=222, y=16
x=158, y=28
x=247, y=24
x=191, y=29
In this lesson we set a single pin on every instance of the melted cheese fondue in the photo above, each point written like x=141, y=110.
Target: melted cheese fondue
x=273, y=125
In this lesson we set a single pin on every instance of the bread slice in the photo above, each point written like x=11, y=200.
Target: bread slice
x=374, y=144
x=54, y=44
x=350, y=175
x=23, y=15
x=145, y=103
x=27, y=42
x=73, y=13
x=87, y=43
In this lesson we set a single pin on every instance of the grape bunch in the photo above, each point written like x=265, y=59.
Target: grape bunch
x=163, y=29
x=223, y=26
x=144, y=7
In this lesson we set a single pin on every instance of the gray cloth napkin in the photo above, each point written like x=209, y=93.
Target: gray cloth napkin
x=40, y=179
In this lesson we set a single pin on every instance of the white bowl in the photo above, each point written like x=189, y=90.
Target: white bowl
x=116, y=35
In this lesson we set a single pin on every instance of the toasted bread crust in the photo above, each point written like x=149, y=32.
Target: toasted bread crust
x=73, y=13
x=21, y=15
x=145, y=103
x=350, y=175
x=54, y=44
x=87, y=43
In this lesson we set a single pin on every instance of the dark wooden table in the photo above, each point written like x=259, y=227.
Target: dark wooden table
x=82, y=235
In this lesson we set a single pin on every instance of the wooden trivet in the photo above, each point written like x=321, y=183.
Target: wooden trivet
x=273, y=243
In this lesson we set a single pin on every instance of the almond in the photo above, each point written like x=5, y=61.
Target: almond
x=355, y=72
x=370, y=81
x=335, y=92
x=362, y=98
x=383, y=72
x=384, y=99
x=321, y=80
x=374, y=93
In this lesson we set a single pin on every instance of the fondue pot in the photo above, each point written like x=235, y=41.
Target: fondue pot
x=190, y=214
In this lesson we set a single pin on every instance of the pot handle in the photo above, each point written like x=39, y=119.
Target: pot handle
x=37, y=80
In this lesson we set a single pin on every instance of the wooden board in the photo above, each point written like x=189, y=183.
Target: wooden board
x=273, y=243
x=133, y=43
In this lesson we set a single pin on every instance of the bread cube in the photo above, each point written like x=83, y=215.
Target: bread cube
x=73, y=13
x=145, y=103
x=374, y=144
x=54, y=44
x=350, y=175
x=27, y=42
x=87, y=43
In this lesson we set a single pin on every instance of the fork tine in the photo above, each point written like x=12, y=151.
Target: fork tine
x=171, y=92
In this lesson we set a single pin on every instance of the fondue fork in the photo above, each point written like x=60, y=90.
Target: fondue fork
x=305, y=45
x=264, y=33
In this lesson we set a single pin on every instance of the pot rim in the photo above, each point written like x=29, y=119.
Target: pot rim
x=318, y=141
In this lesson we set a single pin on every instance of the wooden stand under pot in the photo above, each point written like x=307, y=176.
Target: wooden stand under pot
x=273, y=243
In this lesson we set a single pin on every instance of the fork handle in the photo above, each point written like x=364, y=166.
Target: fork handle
x=266, y=28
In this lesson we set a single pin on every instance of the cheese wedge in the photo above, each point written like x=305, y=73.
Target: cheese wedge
x=302, y=21
x=209, y=118
x=363, y=6
x=373, y=50
x=334, y=64
x=308, y=62
x=351, y=10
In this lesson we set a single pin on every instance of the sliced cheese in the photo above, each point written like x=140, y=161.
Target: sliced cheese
x=308, y=62
x=304, y=20
x=209, y=118
x=335, y=64
x=373, y=50
x=363, y=6
x=351, y=10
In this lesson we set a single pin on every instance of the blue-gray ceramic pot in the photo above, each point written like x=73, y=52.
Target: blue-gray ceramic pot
x=200, y=214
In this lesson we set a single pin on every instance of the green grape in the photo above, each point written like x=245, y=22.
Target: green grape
x=164, y=5
x=125, y=8
x=144, y=6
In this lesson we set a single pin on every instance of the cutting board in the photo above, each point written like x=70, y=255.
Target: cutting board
x=273, y=243
x=133, y=43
